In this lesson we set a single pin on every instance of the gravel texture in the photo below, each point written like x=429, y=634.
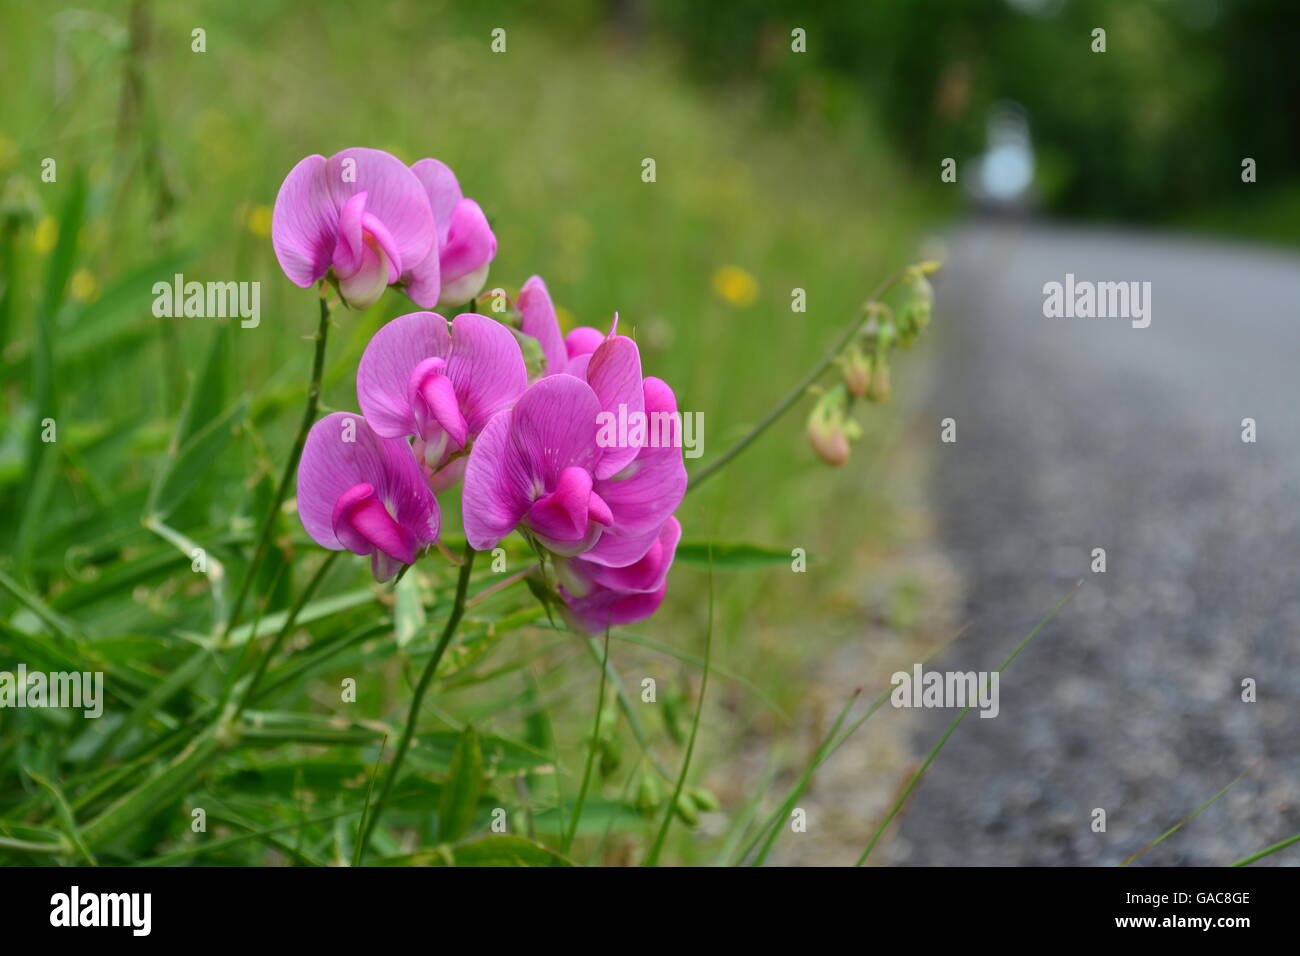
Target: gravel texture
x=1082, y=433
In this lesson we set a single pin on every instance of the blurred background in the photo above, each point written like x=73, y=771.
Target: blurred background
x=796, y=146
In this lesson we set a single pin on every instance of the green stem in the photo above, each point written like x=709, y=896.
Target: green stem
x=408, y=732
x=1246, y=861
x=591, y=754
x=653, y=858
x=796, y=393
x=290, y=467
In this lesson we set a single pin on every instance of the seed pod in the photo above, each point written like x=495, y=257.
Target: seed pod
x=704, y=799
x=686, y=809
x=649, y=793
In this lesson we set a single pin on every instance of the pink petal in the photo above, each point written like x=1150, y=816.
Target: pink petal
x=645, y=574
x=583, y=341
x=603, y=609
x=443, y=190
x=423, y=284
x=486, y=366
x=650, y=488
x=331, y=466
x=614, y=374
x=386, y=366
x=554, y=428
x=539, y=321
x=394, y=196
x=521, y=453
x=470, y=245
x=304, y=224
x=496, y=492
x=562, y=514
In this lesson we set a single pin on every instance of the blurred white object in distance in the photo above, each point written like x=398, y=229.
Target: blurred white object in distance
x=1003, y=174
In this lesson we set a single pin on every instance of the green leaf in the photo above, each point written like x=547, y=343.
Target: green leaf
x=464, y=785
x=41, y=457
x=191, y=461
x=501, y=756
x=730, y=557
x=314, y=611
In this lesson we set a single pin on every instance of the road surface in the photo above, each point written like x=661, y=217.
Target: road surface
x=1082, y=433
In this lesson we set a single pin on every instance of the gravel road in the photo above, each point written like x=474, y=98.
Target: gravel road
x=1083, y=433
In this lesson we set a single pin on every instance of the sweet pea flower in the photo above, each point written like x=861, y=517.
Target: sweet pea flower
x=563, y=353
x=598, y=597
x=540, y=466
x=440, y=383
x=360, y=214
x=360, y=492
x=456, y=267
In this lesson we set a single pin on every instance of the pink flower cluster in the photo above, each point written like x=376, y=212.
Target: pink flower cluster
x=449, y=402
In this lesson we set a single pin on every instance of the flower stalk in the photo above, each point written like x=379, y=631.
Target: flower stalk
x=426, y=678
x=850, y=333
x=290, y=466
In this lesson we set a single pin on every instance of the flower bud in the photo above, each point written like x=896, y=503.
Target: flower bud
x=920, y=300
x=857, y=372
x=880, y=388
x=826, y=432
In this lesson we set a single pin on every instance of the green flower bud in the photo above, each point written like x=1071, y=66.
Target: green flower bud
x=880, y=388
x=920, y=300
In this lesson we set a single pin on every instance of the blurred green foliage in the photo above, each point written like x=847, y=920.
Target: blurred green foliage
x=171, y=432
x=1156, y=125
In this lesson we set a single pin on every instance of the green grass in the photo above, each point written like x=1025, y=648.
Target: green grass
x=172, y=433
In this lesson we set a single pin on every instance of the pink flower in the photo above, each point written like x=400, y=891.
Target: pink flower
x=646, y=489
x=363, y=493
x=540, y=466
x=563, y=353
x=441, y=383
x=456, y=267
x=599, y=597
x=362, y=214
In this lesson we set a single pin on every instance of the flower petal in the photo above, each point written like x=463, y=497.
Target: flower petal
x=386, y=366
x=342, y=451
x=650, y=488
x=470, y=243
x=486, y=366
x=646, y=573
x=304, y=224
x=583, y=341
x=521, y=453
x=603, y=608
x=539, y=321
x=443, y=190
x=394, y=196
x=614, y=374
